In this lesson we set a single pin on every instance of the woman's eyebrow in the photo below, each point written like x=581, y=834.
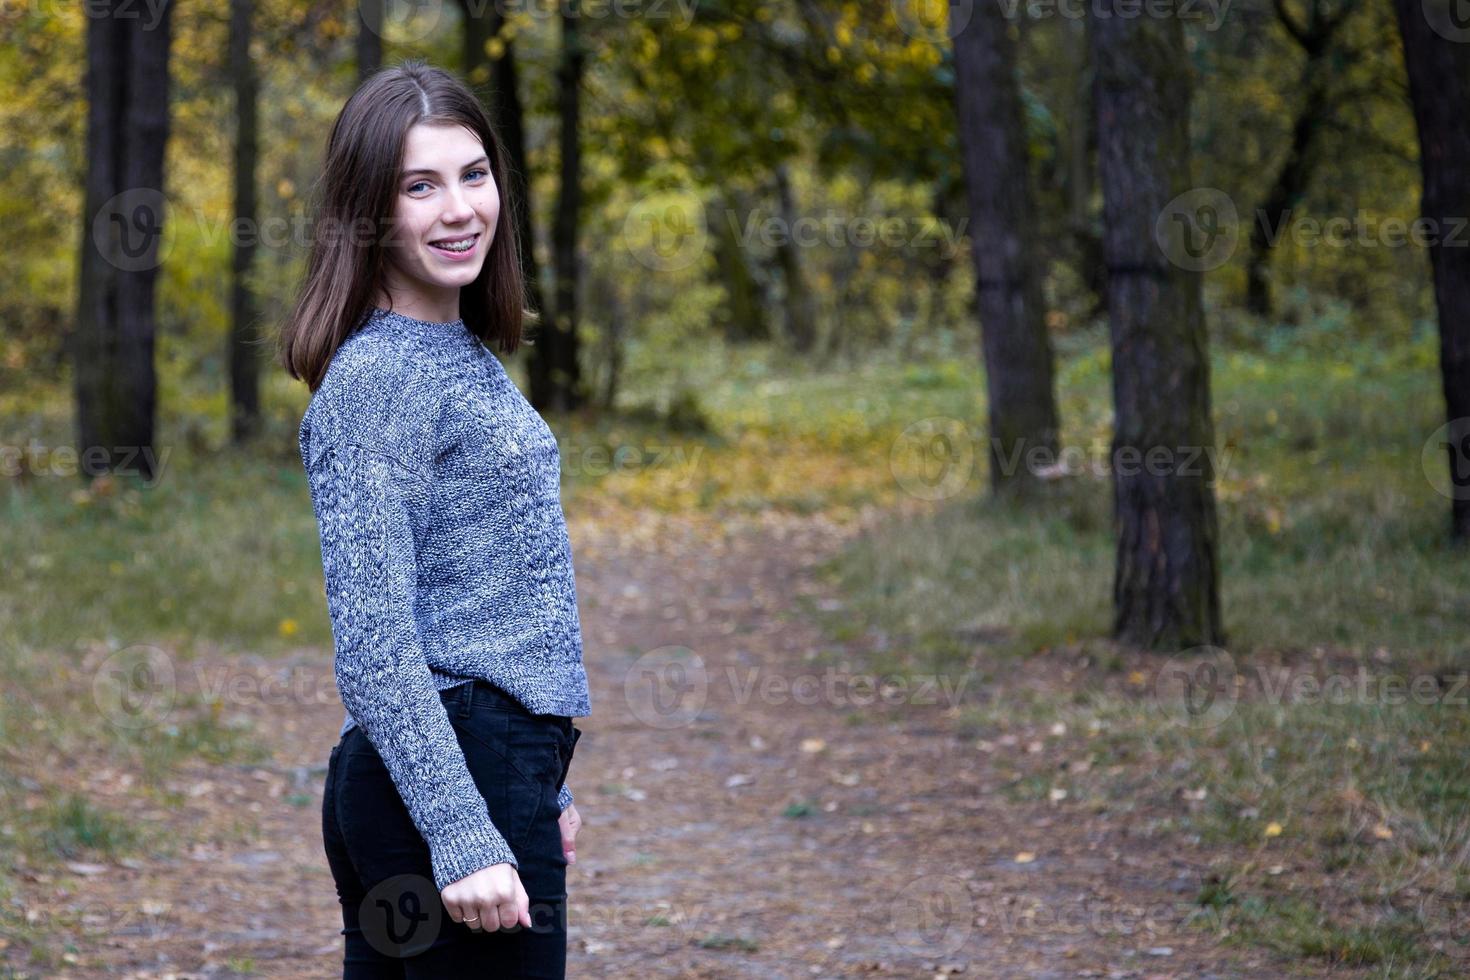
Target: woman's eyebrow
x=433, y=173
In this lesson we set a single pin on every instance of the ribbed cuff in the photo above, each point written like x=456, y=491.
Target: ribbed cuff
x=462, y=850
x=564, y=798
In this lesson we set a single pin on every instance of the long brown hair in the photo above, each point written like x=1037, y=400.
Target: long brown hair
x=355, y=196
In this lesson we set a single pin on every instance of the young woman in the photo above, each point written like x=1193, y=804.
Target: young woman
x=446, y=819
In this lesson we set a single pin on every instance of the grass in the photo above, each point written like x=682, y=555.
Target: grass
x=1335, y=568
x=1332, y=543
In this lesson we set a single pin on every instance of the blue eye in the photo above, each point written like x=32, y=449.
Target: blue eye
x=478, y=170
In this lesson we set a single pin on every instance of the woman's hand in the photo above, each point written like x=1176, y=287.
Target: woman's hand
x=490, y=899
x=570, y=822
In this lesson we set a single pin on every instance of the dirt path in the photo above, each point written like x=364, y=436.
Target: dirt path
x=739, y=827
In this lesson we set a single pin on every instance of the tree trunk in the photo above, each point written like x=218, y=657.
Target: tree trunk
x=1166, y=586
x=505, y=113
x=1081, y=144
x=1286, y=192
x=801, y=314
x=1018, y=356
x=1439, y=87
x=604, y=299
x=243, y=354
x=556, y=377
x=127, y=87
x=475, y=62
x=370, y=16
x=1314, y=34
x=743, y=315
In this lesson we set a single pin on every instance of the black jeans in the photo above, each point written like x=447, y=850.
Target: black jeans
x=395, y=923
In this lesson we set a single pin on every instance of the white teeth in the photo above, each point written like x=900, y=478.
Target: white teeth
x=463, y=246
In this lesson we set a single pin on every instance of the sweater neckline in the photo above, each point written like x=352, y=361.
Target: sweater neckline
x=451, y=333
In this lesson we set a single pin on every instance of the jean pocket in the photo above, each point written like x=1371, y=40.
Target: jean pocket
x=569, y=745
x=513, y=761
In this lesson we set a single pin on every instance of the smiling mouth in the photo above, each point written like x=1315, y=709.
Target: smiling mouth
x=461, y=244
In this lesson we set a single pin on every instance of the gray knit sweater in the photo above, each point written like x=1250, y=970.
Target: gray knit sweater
x=436, y=488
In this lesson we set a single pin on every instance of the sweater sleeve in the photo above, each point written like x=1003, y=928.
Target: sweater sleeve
x=359, y=495
x=564, y=798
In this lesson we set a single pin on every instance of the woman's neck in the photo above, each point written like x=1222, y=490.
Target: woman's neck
x=432, y=309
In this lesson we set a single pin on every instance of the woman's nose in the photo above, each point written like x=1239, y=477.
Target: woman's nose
x=457, y=208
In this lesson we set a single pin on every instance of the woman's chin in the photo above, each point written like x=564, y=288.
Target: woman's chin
x=456, y=276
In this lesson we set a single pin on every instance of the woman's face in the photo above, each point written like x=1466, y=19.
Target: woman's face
x=446, y=208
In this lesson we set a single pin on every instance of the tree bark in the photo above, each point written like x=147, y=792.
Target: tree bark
x=1315, y=38
x=505, y=113
x=801, y=314
x=1166, y=585
x=556, y=376
x=1439, y=88
x=370, y=16
x=742, y=318
x=1017, y=351
x=243, y=354
x=127, y=86
x=1286, y=192
x=1081, y=147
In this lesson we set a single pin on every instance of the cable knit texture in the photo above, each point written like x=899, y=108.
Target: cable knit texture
x=437, y=491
